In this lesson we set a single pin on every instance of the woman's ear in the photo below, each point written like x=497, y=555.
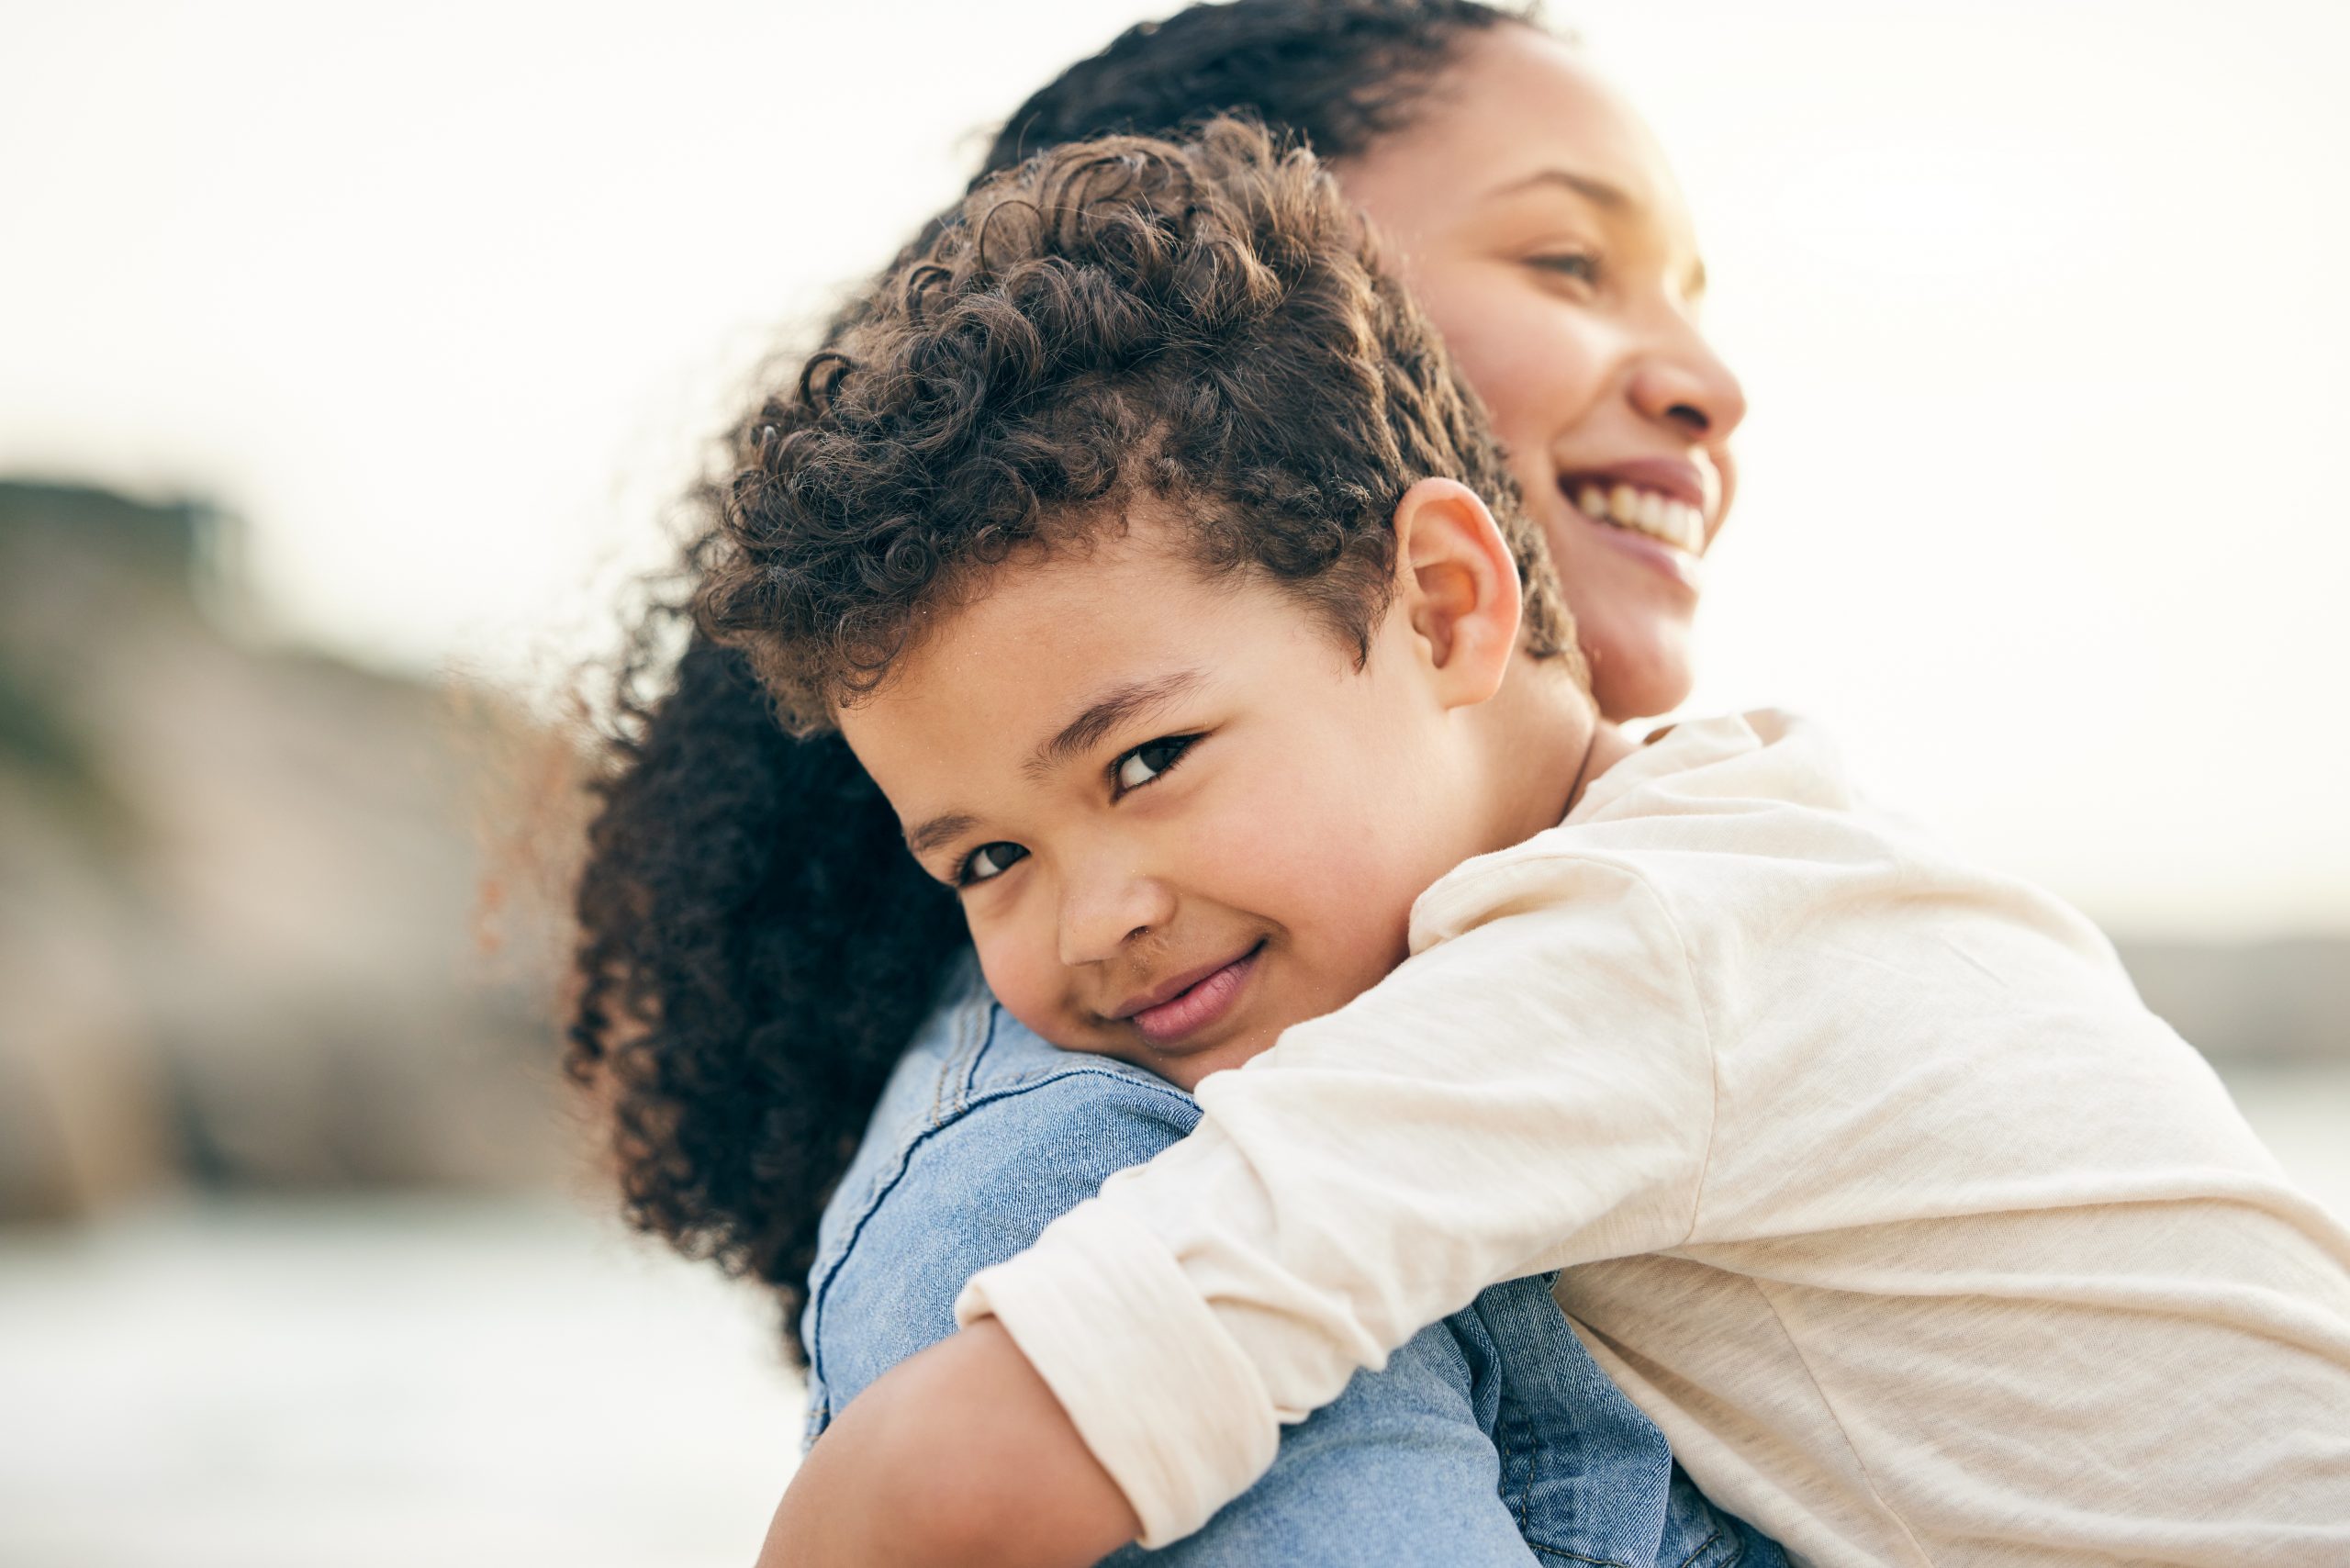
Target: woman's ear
x=1456, y=586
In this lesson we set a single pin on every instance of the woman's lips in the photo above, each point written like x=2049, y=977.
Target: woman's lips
x=1685, y=479
x=1636, y=531
x=1198, y=1004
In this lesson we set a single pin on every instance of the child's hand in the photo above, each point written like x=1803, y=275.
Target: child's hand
x=958, y=1456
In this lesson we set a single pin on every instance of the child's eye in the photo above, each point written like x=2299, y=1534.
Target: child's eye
x=1148, y=761
x=987, y=862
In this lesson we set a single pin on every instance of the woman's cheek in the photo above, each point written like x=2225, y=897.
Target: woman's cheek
x=1537, y=362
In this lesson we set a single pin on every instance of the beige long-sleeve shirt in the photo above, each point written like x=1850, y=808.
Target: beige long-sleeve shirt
x=1873, y=1182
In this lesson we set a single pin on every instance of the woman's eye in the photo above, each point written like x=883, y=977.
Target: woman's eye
x=1147, y=761
x=1578, y=265
x=989, y=861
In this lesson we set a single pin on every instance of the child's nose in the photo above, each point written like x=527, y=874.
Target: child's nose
x=1103, y=911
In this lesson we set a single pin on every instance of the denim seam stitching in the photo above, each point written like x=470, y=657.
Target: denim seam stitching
x=1702, y=1547
x=1576, y=1556
x=947, y=1068
x=1525, y=1461
x=974, y=1032
x=1503, y=1423
x=967, y=1013
x=1529, y=1460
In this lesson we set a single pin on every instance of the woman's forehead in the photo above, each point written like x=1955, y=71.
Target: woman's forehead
x=1517, y=112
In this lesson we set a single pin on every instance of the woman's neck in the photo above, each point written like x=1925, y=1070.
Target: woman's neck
x=1544, y=744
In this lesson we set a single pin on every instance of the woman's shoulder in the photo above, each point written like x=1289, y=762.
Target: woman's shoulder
x=972, y=1053
x=984, y=1135
x=978, y=1084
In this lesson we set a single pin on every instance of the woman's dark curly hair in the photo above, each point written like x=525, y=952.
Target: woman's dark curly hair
x=1112, y=324
x=756, y=947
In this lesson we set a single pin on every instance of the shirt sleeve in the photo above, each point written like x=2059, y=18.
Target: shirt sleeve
x=1533, y=1088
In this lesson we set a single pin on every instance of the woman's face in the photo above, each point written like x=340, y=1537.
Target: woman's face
x=1536, y=220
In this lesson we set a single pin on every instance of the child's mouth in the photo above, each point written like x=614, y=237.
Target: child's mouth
x=1198, y=1003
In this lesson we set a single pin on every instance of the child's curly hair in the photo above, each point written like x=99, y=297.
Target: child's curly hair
x=756, y=949
x=1203, y=324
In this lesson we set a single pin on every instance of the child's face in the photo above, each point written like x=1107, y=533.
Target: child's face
x=1179, y=817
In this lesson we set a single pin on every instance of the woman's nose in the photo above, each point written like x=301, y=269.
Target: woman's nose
x=1102, y=912
x=1682, y=382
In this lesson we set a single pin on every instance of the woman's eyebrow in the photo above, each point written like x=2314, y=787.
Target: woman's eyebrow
x=1598, y=191
x=1614, y=199
x=1119, y=705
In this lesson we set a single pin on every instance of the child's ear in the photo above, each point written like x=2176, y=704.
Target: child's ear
x=1457, y=583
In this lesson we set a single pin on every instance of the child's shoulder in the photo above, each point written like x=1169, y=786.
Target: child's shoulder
x=1735, y=797
x=1749, y=836
x=1700, y=765
x=1760, y=794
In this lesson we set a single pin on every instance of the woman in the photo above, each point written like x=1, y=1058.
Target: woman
x=745, y=1042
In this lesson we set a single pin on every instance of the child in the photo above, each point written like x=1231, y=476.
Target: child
x=1147, y=553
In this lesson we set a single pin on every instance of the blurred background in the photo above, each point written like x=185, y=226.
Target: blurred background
x=350, y=363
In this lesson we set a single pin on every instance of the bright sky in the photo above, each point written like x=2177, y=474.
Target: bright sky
x=2036, y=304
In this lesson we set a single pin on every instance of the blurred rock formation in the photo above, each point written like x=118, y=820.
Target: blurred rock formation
x=2276, y=1003
x=237, y=895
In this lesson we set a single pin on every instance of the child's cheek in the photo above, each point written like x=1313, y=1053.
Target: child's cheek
x=1026, y=977
x=1325, y=868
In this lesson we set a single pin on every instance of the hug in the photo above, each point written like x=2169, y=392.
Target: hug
x=1138, y=896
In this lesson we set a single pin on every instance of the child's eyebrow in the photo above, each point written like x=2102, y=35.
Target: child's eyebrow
x=937, y=831
x=1120, y=705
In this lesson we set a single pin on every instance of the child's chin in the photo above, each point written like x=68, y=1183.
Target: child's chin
x=1184, y=1068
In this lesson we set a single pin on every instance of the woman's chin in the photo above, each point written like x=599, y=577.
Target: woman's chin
x=1639, y=668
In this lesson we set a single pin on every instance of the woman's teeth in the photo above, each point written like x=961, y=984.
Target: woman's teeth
x=1677, y=524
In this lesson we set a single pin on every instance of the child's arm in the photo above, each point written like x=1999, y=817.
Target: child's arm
x=1399, y=1473
x=958, y=1456
x=1535, y=1088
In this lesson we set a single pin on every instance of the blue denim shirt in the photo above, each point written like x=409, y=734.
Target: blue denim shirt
x=1491, y=1438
